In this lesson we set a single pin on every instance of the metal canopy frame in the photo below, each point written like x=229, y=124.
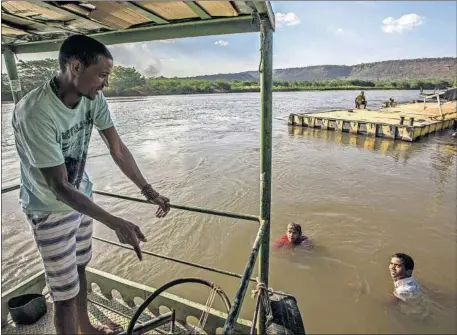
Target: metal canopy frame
x=260, y=19
x=210, y=27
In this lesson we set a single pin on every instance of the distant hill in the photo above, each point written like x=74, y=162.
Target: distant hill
x=408, y=69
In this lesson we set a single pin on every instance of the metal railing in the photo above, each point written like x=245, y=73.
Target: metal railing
x=245, y=277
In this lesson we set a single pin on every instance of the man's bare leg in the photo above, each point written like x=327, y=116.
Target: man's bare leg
x=85, y=327
x=65, y=317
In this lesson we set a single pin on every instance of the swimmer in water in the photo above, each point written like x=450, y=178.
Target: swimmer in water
x=293, y=238
x=407, y=294
x=401, y=270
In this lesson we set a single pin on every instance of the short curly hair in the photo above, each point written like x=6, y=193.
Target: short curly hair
x=83, y=48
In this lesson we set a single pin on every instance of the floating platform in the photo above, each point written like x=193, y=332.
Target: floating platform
x=406, y=122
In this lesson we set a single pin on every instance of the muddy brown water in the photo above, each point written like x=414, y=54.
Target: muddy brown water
x=360, y=199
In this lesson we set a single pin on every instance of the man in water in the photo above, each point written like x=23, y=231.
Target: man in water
x=292, y=238
x=401, y=270
x=52, y=128
x=360, y=100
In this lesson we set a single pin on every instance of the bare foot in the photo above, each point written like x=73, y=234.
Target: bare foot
x=99, y=330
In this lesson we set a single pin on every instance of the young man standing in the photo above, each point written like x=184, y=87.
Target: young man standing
x=52, y=127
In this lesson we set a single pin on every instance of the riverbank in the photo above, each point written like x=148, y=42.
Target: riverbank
x=125, y=81
x=243, y=90
x=256, y=90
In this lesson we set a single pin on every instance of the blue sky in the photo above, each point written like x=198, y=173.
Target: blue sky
x=308, y=33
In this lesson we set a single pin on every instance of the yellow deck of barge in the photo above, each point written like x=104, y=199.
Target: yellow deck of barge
x=406, y=122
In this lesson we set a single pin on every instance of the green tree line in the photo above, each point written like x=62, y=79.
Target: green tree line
x=127, y=81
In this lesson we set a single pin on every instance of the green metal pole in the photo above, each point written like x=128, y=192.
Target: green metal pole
x=229, y=327
x=11, y=69
x=246, y=217
x=266, y=110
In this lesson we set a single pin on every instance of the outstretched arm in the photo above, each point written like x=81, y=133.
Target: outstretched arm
x=125, y=161
x=57, y=181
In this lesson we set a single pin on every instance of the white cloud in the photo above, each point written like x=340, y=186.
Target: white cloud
x=221, y=43
x=289, y=19
x=405, y=22
x=138, y=55
x=167, y=41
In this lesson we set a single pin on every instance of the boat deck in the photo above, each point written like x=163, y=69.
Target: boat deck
x=113, y=313
x=112, y=301
x=407, y=122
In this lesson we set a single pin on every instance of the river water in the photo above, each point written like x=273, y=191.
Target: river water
x=360, y=199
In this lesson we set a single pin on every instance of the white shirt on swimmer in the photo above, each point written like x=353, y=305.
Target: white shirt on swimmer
x=406, y=289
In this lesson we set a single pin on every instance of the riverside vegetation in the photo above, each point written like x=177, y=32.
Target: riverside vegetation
x=128, y=81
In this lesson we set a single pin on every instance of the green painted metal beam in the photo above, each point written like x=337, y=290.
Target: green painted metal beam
x=248, y=5
x=234, y=25
x=246, y=217
x=144, y=12
x=234, y=312
x=244, y=6
x=11, y=69
x=266, y=110
x=176, y=260
x=264, y=7
x=198, y=10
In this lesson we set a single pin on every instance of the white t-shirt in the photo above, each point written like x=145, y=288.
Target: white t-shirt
x=47, y=134
x=406, y=289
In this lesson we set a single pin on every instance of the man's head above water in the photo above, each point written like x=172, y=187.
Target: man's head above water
x=401, y=266
x=293, y=232
x=85, y=65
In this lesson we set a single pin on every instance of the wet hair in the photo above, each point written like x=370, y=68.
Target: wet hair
x=83, y=48
x=295, y=226
x=406, y=260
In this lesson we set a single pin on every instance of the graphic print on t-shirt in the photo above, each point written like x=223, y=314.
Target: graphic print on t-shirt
x=75, y=143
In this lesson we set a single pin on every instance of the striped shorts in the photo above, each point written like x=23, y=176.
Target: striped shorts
x=64, y=241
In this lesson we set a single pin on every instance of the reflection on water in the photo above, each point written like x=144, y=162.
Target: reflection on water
x=360, y=199
x=443, y=162
x=443, y=156
x=400, y=151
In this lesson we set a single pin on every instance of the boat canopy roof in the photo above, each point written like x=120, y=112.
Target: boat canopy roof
x=41, y=26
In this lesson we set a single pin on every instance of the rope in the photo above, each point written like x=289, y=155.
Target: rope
x=262, y=292
x=209, y=303
x=256, y=17
x=262, y=287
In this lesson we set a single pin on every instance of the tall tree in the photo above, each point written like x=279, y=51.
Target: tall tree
x=33, y=73
x=123, y=79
